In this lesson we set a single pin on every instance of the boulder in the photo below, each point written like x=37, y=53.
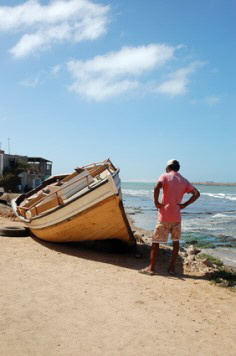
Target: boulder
x=192, y=250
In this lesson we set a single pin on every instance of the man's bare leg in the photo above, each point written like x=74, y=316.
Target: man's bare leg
x=175, y=253
x=153, y=258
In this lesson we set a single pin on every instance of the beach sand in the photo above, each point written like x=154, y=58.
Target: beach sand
x=60, y=299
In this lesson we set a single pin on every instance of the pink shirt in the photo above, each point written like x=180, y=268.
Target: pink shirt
x=174, y=187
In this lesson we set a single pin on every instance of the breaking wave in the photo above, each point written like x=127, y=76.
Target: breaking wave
x=221, y=196
x=138, y=193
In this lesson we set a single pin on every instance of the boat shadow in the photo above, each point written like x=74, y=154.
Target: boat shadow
x=116, y=253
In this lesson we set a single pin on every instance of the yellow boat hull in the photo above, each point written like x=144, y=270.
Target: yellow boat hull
x=85, y=205
x=105, y=220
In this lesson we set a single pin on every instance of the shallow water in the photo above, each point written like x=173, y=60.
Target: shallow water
x=210, y=221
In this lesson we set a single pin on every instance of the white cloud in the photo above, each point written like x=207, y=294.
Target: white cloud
x=178, y=80
x=33, y=82
x=56, y=69
x=210, y=100
x=59, y=21
x=116, y=72
x=100, y=89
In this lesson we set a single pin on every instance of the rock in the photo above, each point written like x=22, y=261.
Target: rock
x=191, y=258
x=192, y=250
x=223, y=282
x=207, y=262
x=139, y=238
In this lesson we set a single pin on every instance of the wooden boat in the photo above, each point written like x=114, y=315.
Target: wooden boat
x=84, y=205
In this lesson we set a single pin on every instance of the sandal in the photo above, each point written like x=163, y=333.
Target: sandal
x=147, y=272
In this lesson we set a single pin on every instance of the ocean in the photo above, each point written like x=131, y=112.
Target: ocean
x=209, y=222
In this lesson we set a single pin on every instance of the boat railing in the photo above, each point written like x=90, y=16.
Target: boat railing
x=110, y=167
x=57, y=193
x=54, y=199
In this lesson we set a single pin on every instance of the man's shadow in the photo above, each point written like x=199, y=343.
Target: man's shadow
x=118, y=253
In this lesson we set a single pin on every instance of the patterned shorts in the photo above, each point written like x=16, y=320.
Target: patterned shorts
x=163, y=229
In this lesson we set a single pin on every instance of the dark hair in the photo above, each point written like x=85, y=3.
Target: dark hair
x=175, y=166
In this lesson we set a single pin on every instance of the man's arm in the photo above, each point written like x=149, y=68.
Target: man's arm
x=195, y=195
x=157, y=189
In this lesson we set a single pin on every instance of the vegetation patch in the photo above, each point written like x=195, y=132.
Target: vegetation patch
x=211, y=260
x=224, y=278
x=219, y=275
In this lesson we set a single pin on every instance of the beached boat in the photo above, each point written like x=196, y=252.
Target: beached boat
x=84, y=205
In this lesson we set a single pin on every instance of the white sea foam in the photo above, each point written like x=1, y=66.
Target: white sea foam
x=219, y=215
x=221, y=196
x=138, y=193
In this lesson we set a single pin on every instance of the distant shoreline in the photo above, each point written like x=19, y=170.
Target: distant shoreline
x=223, y=184
x=215, y=184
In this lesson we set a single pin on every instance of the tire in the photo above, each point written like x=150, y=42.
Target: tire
x=14, y=231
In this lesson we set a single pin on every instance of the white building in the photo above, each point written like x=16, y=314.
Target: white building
x=38, y=169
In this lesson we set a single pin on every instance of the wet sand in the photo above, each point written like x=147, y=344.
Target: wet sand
x=61, y=299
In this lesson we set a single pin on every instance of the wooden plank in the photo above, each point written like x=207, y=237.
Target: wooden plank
x=43, y=207
x=34, y=200
x=97, y=171
x=69, y=177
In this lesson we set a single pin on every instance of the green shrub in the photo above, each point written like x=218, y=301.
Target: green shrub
x=214, y=260
x=224, y=277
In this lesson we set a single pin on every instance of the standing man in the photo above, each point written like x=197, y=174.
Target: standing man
x=173, y=186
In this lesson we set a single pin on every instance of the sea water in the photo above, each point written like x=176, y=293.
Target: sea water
x=209, y=222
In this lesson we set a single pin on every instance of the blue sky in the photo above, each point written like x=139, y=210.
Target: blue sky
x=139, y=81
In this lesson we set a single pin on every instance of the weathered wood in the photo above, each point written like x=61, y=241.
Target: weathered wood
x=96, y=171
x=50, y=204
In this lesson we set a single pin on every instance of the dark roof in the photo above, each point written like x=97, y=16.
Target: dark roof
x=38, y=159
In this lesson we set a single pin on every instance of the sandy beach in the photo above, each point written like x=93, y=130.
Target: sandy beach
x=59, y=299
